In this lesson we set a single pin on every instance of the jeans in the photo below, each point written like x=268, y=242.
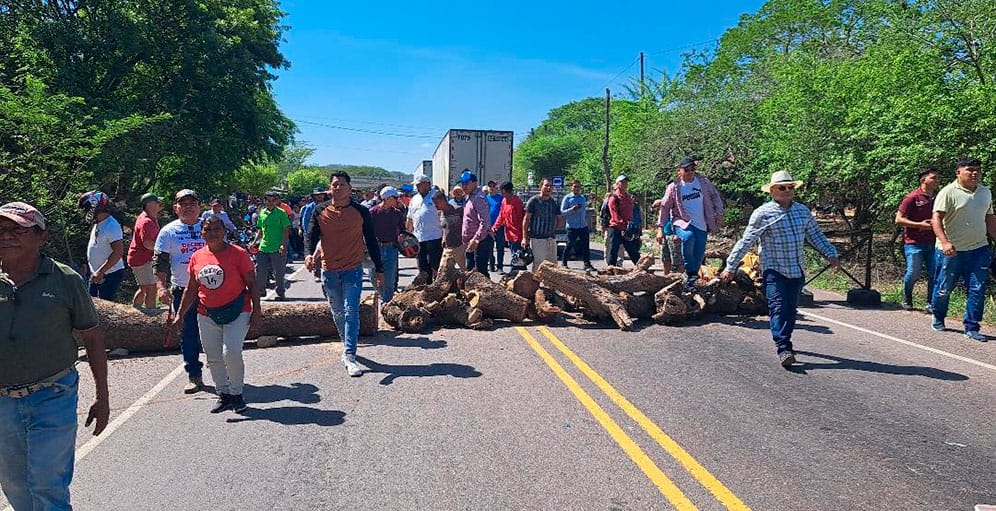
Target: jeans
x=577, y=243
x=918, y=257
x=972, y=266
x=37, y=445
x=265, y=262
x=342, y=288
x=223, y=348
x=190, y=340
x=108, y=288
x=429, y=254
x=783, y=300
x=693, y=245
x=499, y=262
x=389, y=256
x=482, y=254
x=615, y=240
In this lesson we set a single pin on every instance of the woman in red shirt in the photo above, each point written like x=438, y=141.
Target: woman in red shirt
x=223, y=284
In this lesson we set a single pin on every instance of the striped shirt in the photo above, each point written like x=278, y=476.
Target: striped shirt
x=782, y=234
x=544, y=216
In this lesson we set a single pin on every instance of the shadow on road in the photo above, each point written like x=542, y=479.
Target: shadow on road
x=301, y=392
x=754, y=323
x=292, y=416
x=393, y=339
x=394, y=372
x=874, y=367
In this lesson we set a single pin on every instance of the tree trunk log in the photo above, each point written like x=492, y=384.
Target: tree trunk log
x=545, y=311
x=454, y=311
x=597, y=300
x=493, y=299
x=523, y=284
x=640, y=306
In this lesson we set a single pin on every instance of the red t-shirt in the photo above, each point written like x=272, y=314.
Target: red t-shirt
x=146, y=228
x=917, y=206
x=221, y=276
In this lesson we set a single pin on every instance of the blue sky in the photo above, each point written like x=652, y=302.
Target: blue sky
x=379, y=83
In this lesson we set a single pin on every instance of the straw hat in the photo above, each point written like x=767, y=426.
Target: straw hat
x=781, y=178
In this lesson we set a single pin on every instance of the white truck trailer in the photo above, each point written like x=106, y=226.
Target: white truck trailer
x=487, y=153
x=425, y=167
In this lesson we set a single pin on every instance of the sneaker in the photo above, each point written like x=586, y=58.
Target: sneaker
x=907, y=306
x=353, y=368
x=224, y=403
x=589, y=267
x=194, y=385
x=786, y=358
x=929, y=309
x=238, y=403
x=975, y=335
x=937, y=326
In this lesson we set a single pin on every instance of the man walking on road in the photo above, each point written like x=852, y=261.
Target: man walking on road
x=340, y=229
x=176, y=243
x=105, y=250
x=510, y=218
x=574, y=208
x=539, y=224
x=963, y=216
x=388, y=222
x=424, y=223
x=273, y=239
x=477, y=223
x=694, y=206
x=781, y=226
x=621, y=220
x=914, y=215
x=41, y=303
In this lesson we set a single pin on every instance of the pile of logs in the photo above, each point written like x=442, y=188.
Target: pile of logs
x=469, y=299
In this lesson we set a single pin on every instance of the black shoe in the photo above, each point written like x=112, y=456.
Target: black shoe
x=224, y=403
x=238, y=404
x=907, y=306
x=279, y=298
x=786, y=358
x=589, y=267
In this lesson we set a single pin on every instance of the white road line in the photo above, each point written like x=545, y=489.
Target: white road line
x=902, y=341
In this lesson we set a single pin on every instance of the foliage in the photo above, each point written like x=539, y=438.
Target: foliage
x=256, y=178
x=304, y=181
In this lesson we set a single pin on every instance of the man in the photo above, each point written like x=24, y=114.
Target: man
x=539, y=223
x=369, y=199
x=694, y=206
x=317, y=196
x=963, y=216
x=782, y=226
x=914, y=215
x=273, y=239
x=143, y=242
x=41, y=303
x=176, y=242
x=621, y=220
x=452, y=222
x=476, y=223
x=574, y=208
x=218, y=209
x=388, y=222
x=105, y=248
x=340, y=229
x=510, y=217
x=493, y=194
x=423, y=222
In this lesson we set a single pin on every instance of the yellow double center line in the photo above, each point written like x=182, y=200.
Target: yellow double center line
x=663, y=483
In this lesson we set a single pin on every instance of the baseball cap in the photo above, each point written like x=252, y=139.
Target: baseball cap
x=468, y=176
x=421, y=178
x=216, y=202
x=186, y=192
x=686, y=162
x=23, y=214
x=149, y=197
x=388, y=191
x=621, y=178
x=319, y=191
x=271, y=193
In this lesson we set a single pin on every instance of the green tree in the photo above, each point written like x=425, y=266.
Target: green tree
x=303, y=181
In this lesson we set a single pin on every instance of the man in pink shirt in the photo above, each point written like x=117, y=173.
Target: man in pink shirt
x=477, y=222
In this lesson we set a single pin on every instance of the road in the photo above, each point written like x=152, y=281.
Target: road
x=882, y=414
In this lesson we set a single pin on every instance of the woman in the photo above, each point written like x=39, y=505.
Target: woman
x=223, y=283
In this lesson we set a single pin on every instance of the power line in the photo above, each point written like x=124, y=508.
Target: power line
x=390, y=125
x=685, y=47
x=361, y=130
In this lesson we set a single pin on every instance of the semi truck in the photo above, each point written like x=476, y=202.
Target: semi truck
x=487, y=153
x=425, y=167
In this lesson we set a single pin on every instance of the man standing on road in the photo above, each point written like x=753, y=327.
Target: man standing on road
x=307, y=211
x=695, y=208
x=41, y=303
x=176, y=242
x=388, y=221
x=143, y=242
x=963, y=216
x=477, y=223
x=424, y=223
x=621, y=221
x=914, y=215
x=539, y=223
x=340, y=229
x=494, y=196
x=273, y=238
x=574, y=207
x=105, y=250
x=782, y=226
x=510, y=218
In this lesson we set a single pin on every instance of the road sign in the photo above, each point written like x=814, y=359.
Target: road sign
x=557, y=181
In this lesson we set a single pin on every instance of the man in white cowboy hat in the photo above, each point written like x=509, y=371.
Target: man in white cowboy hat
x=782, y=226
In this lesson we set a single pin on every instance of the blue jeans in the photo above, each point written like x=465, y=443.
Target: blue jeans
x=389, y=256
x=37, y=445
x=108, y=288
x=190, y=338
x=693, y=245
x=482, y=255
x=783, y=300
x=972, y=266
x=343, y=287
x=918, y=257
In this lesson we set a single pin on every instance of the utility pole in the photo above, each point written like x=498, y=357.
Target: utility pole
x=641, y=74
x=605, y=146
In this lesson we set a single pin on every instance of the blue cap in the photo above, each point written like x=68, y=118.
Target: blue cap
x=467, y=176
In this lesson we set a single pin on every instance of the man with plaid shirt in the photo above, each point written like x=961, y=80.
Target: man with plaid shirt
x=782, y=226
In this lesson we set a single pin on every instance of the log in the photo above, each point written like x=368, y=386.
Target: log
x=545, y=311
x=454, y=311
x=493, y=299
x=599, y=302
x=523, y=284
x=638, y=281
x=640, y=306
x=644, y=263
x=411, y=320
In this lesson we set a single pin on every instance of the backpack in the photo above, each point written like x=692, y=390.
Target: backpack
x=604, y=215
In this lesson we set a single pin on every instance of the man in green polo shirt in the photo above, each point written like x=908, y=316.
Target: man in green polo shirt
x=41, y=303
x=963, y=217
x=273, y=238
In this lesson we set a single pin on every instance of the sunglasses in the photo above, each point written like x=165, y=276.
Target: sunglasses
x=784, y=188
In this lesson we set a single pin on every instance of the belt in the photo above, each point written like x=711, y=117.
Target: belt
x=386, y=242
x=24, y=390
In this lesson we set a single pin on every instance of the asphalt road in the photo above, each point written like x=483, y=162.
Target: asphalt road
x=882, y=413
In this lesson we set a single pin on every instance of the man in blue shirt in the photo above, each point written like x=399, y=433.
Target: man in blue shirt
x=495, y=199
x=574, y=209
x=307, y=211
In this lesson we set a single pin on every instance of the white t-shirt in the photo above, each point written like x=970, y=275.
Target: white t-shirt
x=425, y=217
x=98, y=249
x=691, y=200
x=180, y=241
